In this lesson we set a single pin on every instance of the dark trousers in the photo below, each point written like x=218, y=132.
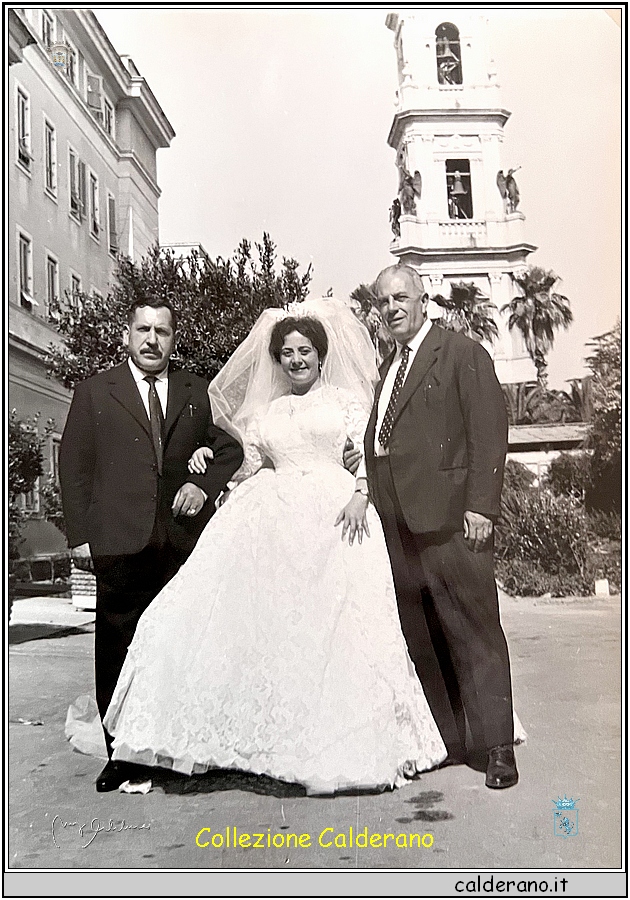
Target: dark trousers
x=125, y=586
x=449, y=613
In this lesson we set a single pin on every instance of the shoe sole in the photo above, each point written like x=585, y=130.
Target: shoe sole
x=498, y=787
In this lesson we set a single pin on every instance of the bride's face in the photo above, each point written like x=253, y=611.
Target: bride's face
x=300, y=362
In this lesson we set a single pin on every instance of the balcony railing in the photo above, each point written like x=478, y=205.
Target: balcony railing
x=459, y=229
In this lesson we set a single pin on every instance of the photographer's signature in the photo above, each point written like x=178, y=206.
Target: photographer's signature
x=89, y=830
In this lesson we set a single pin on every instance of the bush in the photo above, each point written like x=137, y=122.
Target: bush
x=50, y=499
x=604, y=525
x=542, y=528
x=516, y=477
x=569, y=475
x=550, y=544
x=25, y=467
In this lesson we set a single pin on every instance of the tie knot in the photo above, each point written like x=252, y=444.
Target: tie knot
x=404, y=352
x=150, y=378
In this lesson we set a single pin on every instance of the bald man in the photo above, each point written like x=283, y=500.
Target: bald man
x=435, y=451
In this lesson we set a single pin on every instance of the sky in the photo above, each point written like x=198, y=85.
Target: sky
x=282, y=116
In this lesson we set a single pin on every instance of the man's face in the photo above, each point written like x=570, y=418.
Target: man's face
x=401, y=304
x=150, y=338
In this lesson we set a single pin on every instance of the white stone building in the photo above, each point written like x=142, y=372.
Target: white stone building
x=455, y=224
x=83, y=133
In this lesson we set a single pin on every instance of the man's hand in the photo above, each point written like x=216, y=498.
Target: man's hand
x=352, y=456
x=188, y=500
x=477, y=530
x=197, y=462
x=81, y=557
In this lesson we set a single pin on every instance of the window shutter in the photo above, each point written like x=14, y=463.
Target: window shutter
x=95, y=93
x=82, y=187
x=111, y=217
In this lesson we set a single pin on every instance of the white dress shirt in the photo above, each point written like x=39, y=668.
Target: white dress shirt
x=388, y=384
x=161, y=386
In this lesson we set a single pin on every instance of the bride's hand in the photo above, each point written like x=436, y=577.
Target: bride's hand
x=197, y=462
x=354, y=518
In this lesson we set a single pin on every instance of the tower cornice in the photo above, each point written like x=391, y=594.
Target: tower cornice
x=495, y=116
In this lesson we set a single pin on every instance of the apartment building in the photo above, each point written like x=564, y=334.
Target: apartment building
x=84, y=131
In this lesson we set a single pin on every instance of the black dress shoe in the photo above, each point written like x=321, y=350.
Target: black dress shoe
x=501, y=771
x=112, y=776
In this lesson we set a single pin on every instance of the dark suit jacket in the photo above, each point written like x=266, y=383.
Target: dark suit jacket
x=108, y=470
x=449, y=440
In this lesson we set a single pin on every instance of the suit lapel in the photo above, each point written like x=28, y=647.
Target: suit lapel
x=179, y=387
x=424, y=359
x=123, y=389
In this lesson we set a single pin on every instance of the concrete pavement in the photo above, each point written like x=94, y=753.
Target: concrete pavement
x=566, y=674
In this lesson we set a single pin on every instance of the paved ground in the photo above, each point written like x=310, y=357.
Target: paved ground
x=566, y=672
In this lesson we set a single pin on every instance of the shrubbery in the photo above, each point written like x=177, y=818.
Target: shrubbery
x=25, y=467
x=547, y=542
x=569, y=475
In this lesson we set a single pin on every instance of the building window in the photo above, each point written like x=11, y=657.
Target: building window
x=55, y=444
x=111, y=225
x=25, y=271
x=47, y=29
x=448, y=53
x=95, y=96
x=77, y=185
x=50, y=150
x=458, y=189
x=24, y=155
x=94, y=206
x=71, y=68
x=108, y=117
x=30, y=501
x=52, y=283
x=75, y=290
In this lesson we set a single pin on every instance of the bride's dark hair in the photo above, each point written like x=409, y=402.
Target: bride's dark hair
x=307, y=326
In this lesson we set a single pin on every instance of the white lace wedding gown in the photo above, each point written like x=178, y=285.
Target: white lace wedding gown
x=277, y=648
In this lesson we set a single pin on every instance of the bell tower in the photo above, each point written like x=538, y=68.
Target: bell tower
x=456, y=217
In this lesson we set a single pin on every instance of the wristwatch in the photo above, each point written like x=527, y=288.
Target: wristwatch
x=363, y=489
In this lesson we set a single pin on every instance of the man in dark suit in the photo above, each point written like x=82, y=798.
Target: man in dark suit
x=435, y=450
x=132, y=509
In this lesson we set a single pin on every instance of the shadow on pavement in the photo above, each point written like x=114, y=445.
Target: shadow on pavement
x=19, y=634
x=424, y=812
x=233, y=780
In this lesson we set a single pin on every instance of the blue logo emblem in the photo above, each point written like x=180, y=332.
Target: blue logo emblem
x=60, y=54
x=565, y=817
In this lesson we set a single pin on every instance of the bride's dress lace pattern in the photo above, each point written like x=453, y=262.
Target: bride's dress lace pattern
x=277, y=648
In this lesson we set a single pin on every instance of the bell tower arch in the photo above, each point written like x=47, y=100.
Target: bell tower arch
x=459, y=218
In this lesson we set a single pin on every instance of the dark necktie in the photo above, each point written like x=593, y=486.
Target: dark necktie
x=388, y=420
x=157, y=420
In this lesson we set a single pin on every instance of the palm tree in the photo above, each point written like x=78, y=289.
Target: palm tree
x=538, y=314
x=582, y=397
x=469, y=311
x=364, y=298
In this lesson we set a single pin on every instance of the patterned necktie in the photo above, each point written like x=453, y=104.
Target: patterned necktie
x=388, y=420
x=157, y=420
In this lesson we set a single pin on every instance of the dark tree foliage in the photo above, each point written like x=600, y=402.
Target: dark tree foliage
x=538, y=313
x=531, y=404
x=469, y=311
x=605, y=433
x=25, y=467
x=217, y=302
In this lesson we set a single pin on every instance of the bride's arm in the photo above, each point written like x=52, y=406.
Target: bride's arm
x=254, y=458
x=353, y=515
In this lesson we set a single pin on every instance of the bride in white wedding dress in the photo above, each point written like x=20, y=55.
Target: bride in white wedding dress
x=277, y=648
